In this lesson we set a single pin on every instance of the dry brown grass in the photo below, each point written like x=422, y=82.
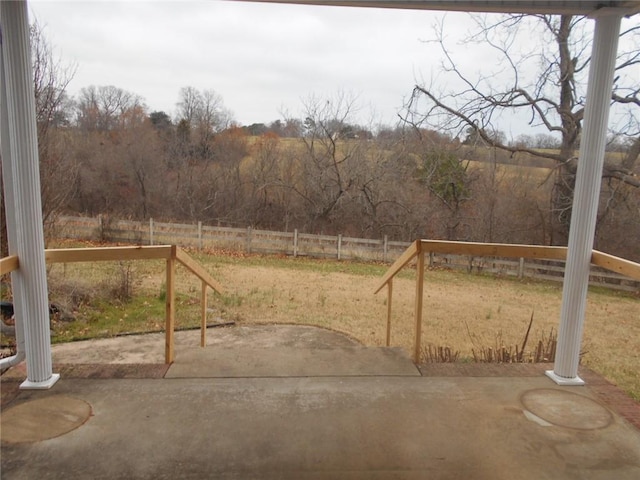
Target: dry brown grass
x=491, y=307
x=340, y=296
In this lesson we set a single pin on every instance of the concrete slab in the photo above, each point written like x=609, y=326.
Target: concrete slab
x=220, y=362
x=299, y=428
x=453, y=422
x=245, y=351
x=149, y=348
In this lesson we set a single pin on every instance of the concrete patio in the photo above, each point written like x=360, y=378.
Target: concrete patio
x=302, y=402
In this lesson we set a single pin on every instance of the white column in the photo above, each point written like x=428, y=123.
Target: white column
x=17, y=92
x=585, y=201
x=10, y=209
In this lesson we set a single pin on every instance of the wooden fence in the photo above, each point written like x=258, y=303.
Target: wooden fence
x=297, y=244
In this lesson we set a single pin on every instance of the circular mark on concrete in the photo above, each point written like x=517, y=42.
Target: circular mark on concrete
x=42, y=419
x=566, y=409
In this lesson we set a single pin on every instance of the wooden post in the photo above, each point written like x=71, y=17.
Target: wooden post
x=170, y=306
x=521, y=268
x=295, y=243
x=418, y=308
x=151, y=231
x=385, y=248
x=248, y=245
x=203, y=319
x=199, y=236
x=389, y=296
x=340, y=247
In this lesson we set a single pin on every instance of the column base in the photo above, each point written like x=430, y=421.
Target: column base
x=564, y=381
x=45, y=385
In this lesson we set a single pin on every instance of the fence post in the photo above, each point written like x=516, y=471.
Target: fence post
x=385, y=248
x=295, y=243
x=248, y=245
x=340, y=246
x=151, y=231
x=431, y=259
x=521, y=268
x=199, y=236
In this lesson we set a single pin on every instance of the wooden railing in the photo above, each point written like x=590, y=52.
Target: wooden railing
x=616, y=264
x=421, y=247
x=170, y=253
x=9, y=264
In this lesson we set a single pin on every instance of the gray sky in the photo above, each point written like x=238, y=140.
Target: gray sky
x=262, y=59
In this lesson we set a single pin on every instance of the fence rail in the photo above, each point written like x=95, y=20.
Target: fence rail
x=481, y=259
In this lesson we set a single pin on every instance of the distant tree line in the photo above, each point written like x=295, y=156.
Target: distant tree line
x=106, y=152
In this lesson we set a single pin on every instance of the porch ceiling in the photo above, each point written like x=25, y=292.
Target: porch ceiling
x=577, y=7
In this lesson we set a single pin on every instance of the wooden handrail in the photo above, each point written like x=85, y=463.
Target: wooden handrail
x=421, y=247
x=170, y=253
x=495, y=249
x=207, y=280
x=406, y=257
x=473, y=249
x=9, y=264
x=197, y=270
x=417, y=248
x=616, y=264
x=105, y=254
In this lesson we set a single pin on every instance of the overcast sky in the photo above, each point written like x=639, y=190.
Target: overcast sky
x=262, y=59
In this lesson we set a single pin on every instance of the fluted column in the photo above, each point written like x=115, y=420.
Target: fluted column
x=25, y=221
x=585, y=200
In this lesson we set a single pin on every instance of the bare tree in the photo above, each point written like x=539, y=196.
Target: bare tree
x=138, y=150
x=385, y=192
x=58, y=170
x=104, y=108
x=553, y=97
x=203, y=113
x=442, y=169
x=263, y=183
x=626, y=91
x=119, y=150
x=326, y=168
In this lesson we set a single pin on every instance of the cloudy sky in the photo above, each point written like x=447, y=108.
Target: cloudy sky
x=263, y=59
